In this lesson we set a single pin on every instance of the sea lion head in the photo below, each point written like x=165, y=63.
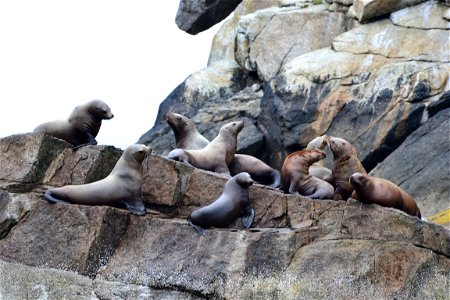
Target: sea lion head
x=340, y=147
x=317, y=143
x=232, y=128
x=100, y=110
x=243, y=179
x=358, y=179
x=138, y=152
x=179, y=123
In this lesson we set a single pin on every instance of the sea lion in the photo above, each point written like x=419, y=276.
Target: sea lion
x=233, y=203
x=121, y=188
x=82, y=126
x=217, y=155
x=383, y=192
x=318, y=168
x=295, y=177
x=345, y=163
x=187, y=137
x=186, y=134
x=258, y=170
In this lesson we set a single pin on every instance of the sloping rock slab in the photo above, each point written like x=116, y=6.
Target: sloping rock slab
x=428, y=177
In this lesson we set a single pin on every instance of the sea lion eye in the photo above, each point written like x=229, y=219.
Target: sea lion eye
x=178, y=118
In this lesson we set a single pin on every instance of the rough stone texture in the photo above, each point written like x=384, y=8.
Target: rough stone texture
x=428, y=177
x=427, y=15
x=197, y=16
x=365, y=10
x=297, y=248
x=291, y=32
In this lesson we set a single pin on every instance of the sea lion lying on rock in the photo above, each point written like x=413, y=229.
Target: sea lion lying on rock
x=187, y=137
x=383, y=192
x=121, y=188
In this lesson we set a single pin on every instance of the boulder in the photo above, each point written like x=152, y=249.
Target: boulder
x=365, y=10
x=197, y=16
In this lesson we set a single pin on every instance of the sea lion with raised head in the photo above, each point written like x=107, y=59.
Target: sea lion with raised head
x=82, y=125
x=296, y=179
x=217, y=155
x=186, y=134
x=345, y=163
x=121, y=188
x=318, y=168
x=187, y=137
x=383, y=192
x=233, y=203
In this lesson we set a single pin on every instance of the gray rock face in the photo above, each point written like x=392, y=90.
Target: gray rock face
x=296, y=248
x=197, y=16
x=293, y=77
x=428, y=177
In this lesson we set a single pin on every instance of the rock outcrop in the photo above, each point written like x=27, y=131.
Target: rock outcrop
x=294, y=70
x=297, y=248
x=373, y=72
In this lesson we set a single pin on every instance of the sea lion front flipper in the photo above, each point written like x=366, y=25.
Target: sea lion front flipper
x=50, y=198
x=276, y=180
x=247, y=217
x=137, y=208
x=200, y=230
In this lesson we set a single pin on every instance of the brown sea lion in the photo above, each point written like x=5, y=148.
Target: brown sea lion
x=217, y=155
x=295, y=177
x=187, y=137
x=233, y=203
x=346, y=163
x=318, y=169
x=383, y=192
x=121, y=188
x=82, y=126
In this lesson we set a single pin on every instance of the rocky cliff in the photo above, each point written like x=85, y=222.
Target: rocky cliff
x=369, y=71
x=297, y=248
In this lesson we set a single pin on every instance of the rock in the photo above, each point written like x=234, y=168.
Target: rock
x=428, y=177
x=427, y=15
x=197, y=16
x=256, y=31
x=297, y=247
x=384, y=38
x=369, y=9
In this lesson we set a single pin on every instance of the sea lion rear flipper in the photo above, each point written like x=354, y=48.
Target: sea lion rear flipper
x=200, y=230
x=247, y=217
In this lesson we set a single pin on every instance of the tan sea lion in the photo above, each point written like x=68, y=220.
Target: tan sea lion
x=295, y=177
x=217, y=155
x=318, y=168
x=121, y=188
x=383, y=192
x=82, y=126
x=187, y=137
x=186, y=134
x=346, y=163
x=233, y=203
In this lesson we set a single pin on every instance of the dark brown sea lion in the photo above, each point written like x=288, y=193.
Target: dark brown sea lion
x=346, y=163
x=318, y=169
x=383, y=192
x=187, y=137
x=233, y=203
x=121, y=188
x=82, y=126
x=295, y=177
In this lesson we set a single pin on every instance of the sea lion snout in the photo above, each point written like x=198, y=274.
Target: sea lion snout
x=356, y=178
x=243, y=179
